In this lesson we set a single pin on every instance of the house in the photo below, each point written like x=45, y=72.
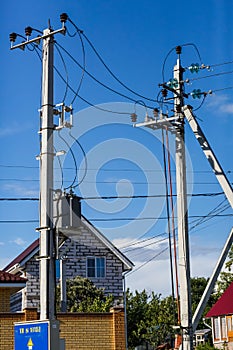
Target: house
x=201, y=336
x=9, y=284
x=86, y=252
x=221, y=315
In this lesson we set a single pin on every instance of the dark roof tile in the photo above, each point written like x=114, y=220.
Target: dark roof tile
x=7, y=277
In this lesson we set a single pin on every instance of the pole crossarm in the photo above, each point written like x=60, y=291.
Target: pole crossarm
x=38, y=38
x=209, y=153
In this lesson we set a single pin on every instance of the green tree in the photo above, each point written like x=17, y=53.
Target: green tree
x=226, y=277
x=198, y=285
x=84, y=296
x=149, y=318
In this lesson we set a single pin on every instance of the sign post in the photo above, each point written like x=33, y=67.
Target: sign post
x=37, y=335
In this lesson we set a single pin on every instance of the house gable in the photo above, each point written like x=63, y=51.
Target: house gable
x=224, y=305
x=73, y=234
x=83, y=243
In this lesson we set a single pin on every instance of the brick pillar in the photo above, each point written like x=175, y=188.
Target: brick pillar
x=30, y=314
x=118, y=328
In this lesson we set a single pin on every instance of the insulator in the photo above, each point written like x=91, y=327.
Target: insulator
x=56, y=112
x=155, y=112
x=13, y=37
x=63, y=17
x=173, y=83
x=133, y=117
x=196, y=93
x=164, y=93
x=178, y=50
x=28, y=31
x=194, y=68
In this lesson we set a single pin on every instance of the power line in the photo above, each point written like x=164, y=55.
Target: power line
x=211, y=75
x=147, y=262
x=123, y=219
x=97, y=80
x=115, y=170
x=119, y=197
x=90, y=103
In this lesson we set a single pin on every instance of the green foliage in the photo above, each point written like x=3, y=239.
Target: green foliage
x=205, y=346
x=225, y=277
x=84, y=296
x=198, y=285
x=223, y=283
x=149, y=318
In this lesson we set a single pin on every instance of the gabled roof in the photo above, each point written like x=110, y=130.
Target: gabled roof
x=25, y=255
x=224, y=305
x=33, y=249
x=9, y=280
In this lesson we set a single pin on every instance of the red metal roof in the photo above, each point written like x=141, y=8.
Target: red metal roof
x=224, y=305
x=7, y=277
x=23, y=255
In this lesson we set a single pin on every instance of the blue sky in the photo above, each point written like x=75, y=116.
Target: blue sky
x=133, y=38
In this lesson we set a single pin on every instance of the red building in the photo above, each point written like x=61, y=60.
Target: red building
x=221, y=315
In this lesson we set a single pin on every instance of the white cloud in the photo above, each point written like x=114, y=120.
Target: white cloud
x=19, y=241
x=155, y=275
x=20, y=190
x=221, y=104
x=14, y=128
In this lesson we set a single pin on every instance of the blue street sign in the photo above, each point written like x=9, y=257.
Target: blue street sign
x=32, y=336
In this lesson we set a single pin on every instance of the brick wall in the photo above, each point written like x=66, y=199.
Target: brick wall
x=5, y=295
x=94, y=331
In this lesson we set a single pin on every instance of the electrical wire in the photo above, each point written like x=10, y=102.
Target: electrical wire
x=156, y=218
x=128, y=219
x=89, y=103
x=66, y=71
x=74, y=159
x=83, y=69
x=122, y=169
x=220, y=64
x=125, y=197
x=168, y=215
x=173, y=49
x=85, y=160
x=201, y=104
x=139, y=241
x=105, y=65
x=114, y=76
x=222, y=89
x=148, y=261
x=97, y=80
x=173, y=224
x=211, y=75
x=146, y=245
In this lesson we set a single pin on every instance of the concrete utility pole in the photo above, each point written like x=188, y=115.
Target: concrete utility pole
x=47, y=240
x=47, y=256
x=177, y=123
x=182, y=213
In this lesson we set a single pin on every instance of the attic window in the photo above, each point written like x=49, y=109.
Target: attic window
x=95, y=267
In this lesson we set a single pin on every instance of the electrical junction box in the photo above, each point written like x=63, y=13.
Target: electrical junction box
x=67, y=210
x=37, y=335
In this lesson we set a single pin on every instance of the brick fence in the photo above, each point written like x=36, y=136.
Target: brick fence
x=92, y=331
